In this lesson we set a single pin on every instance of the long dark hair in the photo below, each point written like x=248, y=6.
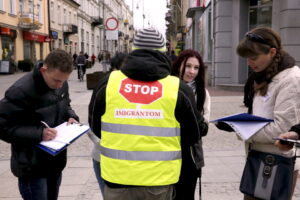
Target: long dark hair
x=200, y=78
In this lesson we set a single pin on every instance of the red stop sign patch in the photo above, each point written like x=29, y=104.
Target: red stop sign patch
x=140, y=92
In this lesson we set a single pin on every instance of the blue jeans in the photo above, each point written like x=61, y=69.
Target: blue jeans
x=42, y=188
x=97, y=171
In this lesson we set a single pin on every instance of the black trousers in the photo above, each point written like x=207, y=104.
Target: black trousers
x=186, y=186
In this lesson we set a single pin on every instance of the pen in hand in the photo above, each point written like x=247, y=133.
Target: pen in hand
x=53, y=138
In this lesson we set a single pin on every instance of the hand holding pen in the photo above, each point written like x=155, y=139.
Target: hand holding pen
x=48, y=133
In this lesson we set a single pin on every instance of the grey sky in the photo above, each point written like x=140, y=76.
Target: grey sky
x=154, y=10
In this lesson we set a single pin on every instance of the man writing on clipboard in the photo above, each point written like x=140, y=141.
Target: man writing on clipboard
x=40, y=95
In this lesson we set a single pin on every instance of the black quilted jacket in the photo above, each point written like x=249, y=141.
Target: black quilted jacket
x=26, y=103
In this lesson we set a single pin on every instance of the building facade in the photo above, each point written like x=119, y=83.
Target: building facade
x=63, y=25
x=24, y=30
x=215, y=27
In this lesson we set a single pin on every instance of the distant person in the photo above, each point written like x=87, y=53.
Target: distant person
x=190, y=68
x=100, y=57
x=86, y=56
x=40, y=95
x=81, y=64
x=173, y=56
x=74, y=59
x=141, y=151
x=93, y=57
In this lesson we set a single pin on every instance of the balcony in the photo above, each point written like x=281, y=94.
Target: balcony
x=96, y=21
x=126, y=37
x=29, y=21
x=70, y=29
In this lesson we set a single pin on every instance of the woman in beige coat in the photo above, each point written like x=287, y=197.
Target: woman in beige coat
x=272, y=90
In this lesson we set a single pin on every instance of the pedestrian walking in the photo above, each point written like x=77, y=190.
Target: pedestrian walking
x=74, y=59
x=190, y=68
x=93, y=57
x=271, y=91
x=173, y=56
x=100, y=56
x=40, y=95
x=81, y=64
x=143, y=115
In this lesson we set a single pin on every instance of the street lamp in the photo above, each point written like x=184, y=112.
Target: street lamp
x=137, y=7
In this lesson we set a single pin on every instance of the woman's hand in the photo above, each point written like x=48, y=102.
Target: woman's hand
x=288, y=135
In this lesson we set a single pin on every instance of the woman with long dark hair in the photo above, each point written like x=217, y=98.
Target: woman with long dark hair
x=190, y=68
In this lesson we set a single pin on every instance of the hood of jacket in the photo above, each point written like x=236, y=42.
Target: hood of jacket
x=146, y=65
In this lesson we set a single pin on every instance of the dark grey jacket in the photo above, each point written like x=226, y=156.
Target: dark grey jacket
x=26, y=103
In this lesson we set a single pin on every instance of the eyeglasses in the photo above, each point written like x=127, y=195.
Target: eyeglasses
x=257, y=38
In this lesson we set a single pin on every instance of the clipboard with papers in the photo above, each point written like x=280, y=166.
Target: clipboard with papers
x=244, y=124
x=66, y=134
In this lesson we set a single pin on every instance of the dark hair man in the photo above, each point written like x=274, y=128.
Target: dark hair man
x=40, y=95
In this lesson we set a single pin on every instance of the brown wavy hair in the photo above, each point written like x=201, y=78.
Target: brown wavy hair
x=250, y=47
x=200, y=78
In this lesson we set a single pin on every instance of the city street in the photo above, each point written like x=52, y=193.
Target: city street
x=224, y=153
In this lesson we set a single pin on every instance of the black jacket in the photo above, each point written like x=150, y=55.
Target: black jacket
x=149, y=65
x=26, y=103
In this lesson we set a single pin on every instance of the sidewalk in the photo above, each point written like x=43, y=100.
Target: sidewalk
x=224, y=154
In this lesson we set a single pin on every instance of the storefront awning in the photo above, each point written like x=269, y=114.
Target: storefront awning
x=35, y=37
x=191, y=11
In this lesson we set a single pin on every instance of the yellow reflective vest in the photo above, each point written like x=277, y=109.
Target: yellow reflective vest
x=140, y=136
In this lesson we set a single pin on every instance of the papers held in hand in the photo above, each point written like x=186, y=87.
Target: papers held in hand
x=66, y=134
x=245, y=125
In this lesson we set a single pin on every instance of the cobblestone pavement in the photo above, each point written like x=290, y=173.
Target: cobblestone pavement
x=224, y=153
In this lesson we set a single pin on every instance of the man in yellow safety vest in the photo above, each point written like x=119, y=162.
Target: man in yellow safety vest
x=140, y=112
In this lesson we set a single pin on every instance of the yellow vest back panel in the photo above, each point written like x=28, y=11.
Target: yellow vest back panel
x=140, y=142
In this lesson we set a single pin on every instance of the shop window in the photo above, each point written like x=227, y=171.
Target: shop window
x=8, y=48
x=260, y=13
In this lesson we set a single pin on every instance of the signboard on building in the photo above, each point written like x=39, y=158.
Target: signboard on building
x=112, y=35
x=34, y=37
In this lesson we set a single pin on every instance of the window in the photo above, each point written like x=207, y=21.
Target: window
x=21, y=6
x=65, y=16
x=260, y=13
x=39, y=12
x=30, y=6
x=52, y=14
x=1, y=5
x=87, y=37
x=12, y=5
x=82, y=34
x=58, y=14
